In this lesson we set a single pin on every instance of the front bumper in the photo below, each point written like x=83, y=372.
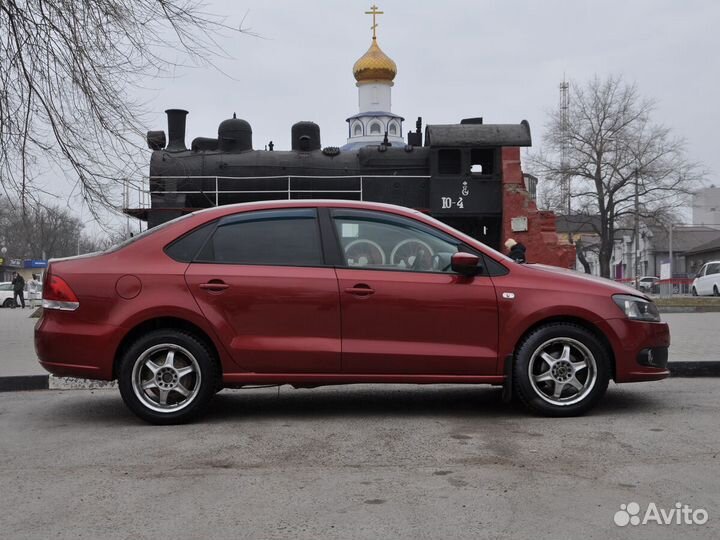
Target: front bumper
x=640, y=350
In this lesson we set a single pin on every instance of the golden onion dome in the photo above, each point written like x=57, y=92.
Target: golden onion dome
x=374, y=65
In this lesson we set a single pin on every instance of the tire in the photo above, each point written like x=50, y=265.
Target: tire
x=8, y=303
x=576, y=355
x=694, y=291
x=716, y=292
x=168, y=377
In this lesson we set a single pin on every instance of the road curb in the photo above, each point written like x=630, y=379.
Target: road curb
x=24, y=382
x=48, y=382
x=694, y=369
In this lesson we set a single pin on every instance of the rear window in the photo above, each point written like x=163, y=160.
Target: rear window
x=146, y=233
x=186, y=248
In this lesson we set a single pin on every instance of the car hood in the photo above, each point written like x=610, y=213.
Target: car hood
x=578, y=277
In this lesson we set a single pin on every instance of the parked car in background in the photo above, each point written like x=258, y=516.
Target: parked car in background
x=707, y=280
x=648, y=283
x=7, y=297
x=311, y=293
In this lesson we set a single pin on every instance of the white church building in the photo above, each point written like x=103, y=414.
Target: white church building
x=374, y=72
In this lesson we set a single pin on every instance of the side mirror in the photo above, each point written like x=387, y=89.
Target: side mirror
x=465, y=264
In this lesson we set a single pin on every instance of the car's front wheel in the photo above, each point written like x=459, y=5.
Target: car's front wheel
x=561, y=369
x=9, y=302
x=167, y=377
x=694, y=291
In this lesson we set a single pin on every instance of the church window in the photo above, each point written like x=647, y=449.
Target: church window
x=375, y=129
x=393, y=129
x=358, y=130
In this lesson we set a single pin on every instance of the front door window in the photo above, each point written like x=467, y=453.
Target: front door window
x=393, y=244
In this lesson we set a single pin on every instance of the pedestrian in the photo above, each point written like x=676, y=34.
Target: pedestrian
x=18, y=284
x=517, y=250
x=34, y=290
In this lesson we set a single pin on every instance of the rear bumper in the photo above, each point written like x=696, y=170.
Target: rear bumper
x=631, y=341
x=75, y=349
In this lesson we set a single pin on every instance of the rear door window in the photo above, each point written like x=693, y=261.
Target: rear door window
x=270, y=237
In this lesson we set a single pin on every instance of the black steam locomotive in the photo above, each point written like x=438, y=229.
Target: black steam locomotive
x=455, y=176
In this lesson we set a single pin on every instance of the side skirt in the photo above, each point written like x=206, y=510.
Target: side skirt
x=320, y=379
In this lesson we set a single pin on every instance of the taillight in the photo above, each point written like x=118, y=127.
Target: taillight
x=57, y=294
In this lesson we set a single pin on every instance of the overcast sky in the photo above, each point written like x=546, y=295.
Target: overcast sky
x=502, y=60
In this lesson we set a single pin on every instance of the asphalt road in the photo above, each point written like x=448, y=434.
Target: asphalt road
x=411, y=462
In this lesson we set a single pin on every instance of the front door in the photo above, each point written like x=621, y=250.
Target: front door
x=261, y=282
x=403, y=309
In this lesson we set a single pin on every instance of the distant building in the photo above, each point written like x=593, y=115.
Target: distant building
x=691, y=247
x=699, y=255
x=706, y=206
x=583, y=232
x=685, y=241
x=531, y=183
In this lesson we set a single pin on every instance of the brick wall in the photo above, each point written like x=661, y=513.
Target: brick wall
x=541, y=239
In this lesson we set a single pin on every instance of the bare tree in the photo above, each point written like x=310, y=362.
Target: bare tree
x=620, y=164
x=46, y=230
x=66, y=71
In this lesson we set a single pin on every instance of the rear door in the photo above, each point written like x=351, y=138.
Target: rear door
x=262, y=282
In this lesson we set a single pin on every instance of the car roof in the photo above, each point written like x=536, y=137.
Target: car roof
x=302, y=203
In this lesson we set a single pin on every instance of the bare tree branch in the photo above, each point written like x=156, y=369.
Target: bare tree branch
x=66, y=71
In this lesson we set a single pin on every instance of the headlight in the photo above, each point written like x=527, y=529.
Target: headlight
x=637, y=309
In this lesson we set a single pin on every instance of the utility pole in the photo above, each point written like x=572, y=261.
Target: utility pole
x=637, y=231
x=564, y=124
x=672, y=285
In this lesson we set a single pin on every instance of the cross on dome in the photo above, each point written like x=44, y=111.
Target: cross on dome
x=373, y=11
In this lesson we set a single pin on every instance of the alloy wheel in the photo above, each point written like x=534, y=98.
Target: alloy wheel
x=562, y=371
x=166, y=378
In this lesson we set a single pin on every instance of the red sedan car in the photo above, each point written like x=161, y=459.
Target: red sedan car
x=311, y=293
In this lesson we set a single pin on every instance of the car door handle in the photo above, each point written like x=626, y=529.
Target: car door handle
x=214, y=286
x=360, y=290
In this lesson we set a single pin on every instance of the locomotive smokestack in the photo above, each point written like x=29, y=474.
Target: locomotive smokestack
x=176, y=130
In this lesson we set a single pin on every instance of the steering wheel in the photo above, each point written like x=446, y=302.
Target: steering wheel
x=419, y=256
x=412, y=253
x=364, y=252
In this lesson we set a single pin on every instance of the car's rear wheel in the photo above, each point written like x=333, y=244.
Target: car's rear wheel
x=561, y=369
x=167, y=377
